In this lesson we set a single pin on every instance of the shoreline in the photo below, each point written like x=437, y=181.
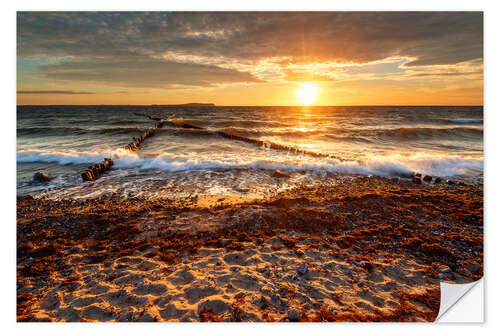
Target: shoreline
x=362, y=249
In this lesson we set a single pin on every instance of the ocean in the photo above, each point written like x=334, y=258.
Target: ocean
x=62, y=141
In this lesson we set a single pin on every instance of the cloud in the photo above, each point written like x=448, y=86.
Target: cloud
x=306, y=77
x=430, y=37
x=169, y=49
x=143, y=74
x=55, y=92
x=473, y=68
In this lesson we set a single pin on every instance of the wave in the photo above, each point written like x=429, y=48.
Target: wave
x=120, y=130
x=462, y=121
x=56, y=131
x=61, y=158
x=364, y=135
x=51, y=131
x=382, y=165
x=389, y=165
x=328, y=133
x=416, y=133
x=346, y=133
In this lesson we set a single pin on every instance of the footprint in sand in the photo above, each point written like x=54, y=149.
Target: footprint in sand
x=171, y=312
x=50, y=302
x=194, y=294
x=122, y=299
x=215, y=306
x=132, y=279
x=246, y=282
x=85, y=301
x=181, y=277
x=375, y=300
x=238, y=258
x=97, y=313
x=69, y=314
x=150, y=289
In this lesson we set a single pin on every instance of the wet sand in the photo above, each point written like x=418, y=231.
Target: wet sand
x=360, y=249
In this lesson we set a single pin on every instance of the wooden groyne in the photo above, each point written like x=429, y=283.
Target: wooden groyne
x=256, y=142
x=95, y=171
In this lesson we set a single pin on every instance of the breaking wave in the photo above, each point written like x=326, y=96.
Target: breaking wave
x=382, y=165
x=61, y=158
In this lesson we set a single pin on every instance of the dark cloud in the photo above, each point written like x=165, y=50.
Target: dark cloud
x=143, y=74
x=104, y=43
x=55, y=92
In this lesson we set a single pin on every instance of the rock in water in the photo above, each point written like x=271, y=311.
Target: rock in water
x=417, y=180
x=41, y=177
x=437, y=180
x=293, y=315
x=280, y=174
x=427, y=178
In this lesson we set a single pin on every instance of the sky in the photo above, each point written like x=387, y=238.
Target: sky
x=250, y=58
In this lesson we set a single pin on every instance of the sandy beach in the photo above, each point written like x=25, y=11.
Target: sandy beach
x=354, y=249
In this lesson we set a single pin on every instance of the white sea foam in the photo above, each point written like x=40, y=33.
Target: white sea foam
x=59, y=157
x=382, y=165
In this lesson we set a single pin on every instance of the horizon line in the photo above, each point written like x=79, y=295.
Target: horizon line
x=228, y=105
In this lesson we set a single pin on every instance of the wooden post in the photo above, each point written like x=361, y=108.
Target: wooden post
x=95, y=171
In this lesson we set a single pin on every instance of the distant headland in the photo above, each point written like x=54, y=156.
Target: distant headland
x=187, y=104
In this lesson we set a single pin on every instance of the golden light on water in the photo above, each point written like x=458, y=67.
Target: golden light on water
x=307, y=93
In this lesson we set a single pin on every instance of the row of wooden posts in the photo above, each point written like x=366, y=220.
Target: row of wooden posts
x=260, y=143
x=95, y=171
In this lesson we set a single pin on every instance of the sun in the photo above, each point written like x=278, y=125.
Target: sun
x=306, y=94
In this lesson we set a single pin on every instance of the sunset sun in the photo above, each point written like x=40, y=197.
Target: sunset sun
x=306, y=94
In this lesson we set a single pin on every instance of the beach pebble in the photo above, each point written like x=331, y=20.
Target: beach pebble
x=293, y=315
x=41, y=177
x=444, y=272
x=473, y=268
x=303, y=268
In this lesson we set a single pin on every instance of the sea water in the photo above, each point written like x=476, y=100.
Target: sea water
x=62, y=141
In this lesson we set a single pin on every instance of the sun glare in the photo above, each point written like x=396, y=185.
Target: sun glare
x=306, y=94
